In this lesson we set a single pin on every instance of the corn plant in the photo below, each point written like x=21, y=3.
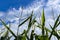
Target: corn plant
x=32, y=20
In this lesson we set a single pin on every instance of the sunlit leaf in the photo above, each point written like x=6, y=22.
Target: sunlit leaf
x=43, y=21
x=24, y=21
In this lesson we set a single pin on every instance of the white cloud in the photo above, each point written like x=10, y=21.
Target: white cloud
x=53, y=38
x=1, y=14
x=49, y=22
x=55, y=4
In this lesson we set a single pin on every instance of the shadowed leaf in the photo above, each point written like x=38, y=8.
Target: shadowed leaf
x=55, y=25
x=8, y=28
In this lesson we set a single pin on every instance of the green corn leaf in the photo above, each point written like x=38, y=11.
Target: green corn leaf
x=24, y=21
x=55, y=25
x=46, y=33
x=33, y=21
x=56, y=22
x=42, y=37
x=23, y=37
x=59, y=31
x=55, y=33
x=29, y=25
x=4, y=36
x=32, y=35
x=43, y=21
x=36, y=37
x=50, y=26
x=8, y=28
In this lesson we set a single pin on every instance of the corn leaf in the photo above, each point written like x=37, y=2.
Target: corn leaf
x=29, y=25
x=43, y=21
x=32, y=35
x=8, y=28
x=24, y=21
x=55, y=25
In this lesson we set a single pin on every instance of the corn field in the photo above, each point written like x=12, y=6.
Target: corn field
x=33, y=36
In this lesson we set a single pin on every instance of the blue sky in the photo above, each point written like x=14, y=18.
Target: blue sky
x=9, y=9
x=7, y=4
